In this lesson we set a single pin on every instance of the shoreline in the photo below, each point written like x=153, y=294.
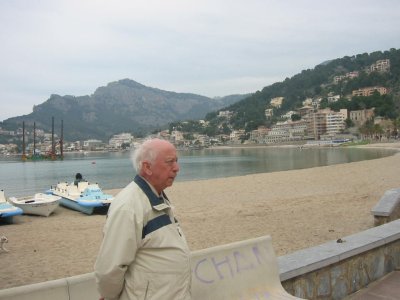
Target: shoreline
x=298, y=208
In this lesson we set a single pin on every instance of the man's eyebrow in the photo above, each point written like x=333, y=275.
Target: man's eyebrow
x=171, y=158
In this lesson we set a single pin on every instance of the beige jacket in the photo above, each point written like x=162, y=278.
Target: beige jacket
x=144, y=254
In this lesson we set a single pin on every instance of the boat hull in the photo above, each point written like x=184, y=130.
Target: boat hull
x=86, y=198
x=68, y=203
x=8, y=211
x=40, y=204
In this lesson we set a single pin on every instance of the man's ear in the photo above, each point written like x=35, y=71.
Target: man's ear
x=146, y=167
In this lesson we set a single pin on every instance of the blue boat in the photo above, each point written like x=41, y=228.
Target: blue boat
x=85, y=197
x=7, y=210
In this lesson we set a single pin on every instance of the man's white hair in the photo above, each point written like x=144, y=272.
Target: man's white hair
x=145, y=152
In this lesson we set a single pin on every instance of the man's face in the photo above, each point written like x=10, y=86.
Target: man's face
x=165, y=168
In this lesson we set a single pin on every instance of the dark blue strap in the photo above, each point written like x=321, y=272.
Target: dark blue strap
x=156, y=223
x=154, y=200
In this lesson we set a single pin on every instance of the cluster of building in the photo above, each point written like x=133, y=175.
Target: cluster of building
x=380, y=66
x=313, y=123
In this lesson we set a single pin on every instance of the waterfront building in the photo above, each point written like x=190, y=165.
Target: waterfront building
x=203, y=140
x=326, y=122
x=359, y=117
x=285, y=132
x=236, y=136
x=258, y=135
x=118, y=140
x=335, y=122
x=92, y=144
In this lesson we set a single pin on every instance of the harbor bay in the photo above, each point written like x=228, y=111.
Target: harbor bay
x=112, y=170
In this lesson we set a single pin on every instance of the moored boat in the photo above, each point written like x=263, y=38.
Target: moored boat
x=7, y=210
x=39, y=204
x=84, y=197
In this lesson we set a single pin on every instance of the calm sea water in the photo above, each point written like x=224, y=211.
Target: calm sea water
x=114, y=170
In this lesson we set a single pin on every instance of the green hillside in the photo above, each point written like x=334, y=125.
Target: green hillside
x=318, y=82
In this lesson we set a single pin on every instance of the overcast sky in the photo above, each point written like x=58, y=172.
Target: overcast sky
x=207, y=47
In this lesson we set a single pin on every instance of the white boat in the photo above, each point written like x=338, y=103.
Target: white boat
x=7, y=210
x=39, y=204
x=84, y=197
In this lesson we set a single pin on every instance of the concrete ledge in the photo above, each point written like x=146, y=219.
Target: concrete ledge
x=71, y=288
x=335, y=270
x=388, y=207
x=314, y=258
x=82, y=287
x=55, y=289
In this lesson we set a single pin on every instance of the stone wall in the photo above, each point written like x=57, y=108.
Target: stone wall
x=344, y=269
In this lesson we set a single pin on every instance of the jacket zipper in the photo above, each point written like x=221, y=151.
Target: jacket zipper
x=147, y=289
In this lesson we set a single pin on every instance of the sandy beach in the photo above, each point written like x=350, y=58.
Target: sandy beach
x=299, y=209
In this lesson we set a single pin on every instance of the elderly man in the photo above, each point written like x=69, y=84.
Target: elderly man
x=144, y=254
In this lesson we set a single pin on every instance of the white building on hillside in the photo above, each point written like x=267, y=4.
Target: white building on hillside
x=118, y=140
x=277, y=102
x=335, y=122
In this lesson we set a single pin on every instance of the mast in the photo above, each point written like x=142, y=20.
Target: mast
x=34, y=139
x=62, y=139
x=53, y=148
x=23, y=141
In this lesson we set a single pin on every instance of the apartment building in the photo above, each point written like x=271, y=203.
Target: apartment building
x=326, y=122
x=258, y=135
x=316, y=124
x=286, y=131
x=368, y=91
x=349, y=75
x=359, y=117
x=380, y=66
x=305, y=110
x=118, y=140
x=335, y=122
x=236, y=135
x=92, y=144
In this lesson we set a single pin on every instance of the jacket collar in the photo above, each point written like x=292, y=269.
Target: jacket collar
x=157, y=203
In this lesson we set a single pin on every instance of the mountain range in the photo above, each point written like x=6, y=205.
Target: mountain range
x=121, y=106
x=128, y=106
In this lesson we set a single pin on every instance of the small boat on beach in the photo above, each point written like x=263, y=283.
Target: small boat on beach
x=7, y=210
x=84, y=197
x=39, y=204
